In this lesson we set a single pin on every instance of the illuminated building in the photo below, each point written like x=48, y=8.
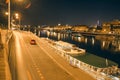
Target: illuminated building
x=80, y=28
x=111, y=27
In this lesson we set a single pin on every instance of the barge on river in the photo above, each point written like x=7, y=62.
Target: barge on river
x=68, y=48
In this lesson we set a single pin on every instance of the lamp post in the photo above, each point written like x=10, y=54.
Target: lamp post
x=17, y=16
x=9, y=15
x=9, y=12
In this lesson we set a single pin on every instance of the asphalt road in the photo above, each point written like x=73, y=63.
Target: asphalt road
x=40, y=62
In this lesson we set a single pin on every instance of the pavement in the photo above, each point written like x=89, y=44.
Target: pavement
x=4, y=67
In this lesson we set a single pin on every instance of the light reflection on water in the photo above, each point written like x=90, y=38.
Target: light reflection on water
x=106, y=47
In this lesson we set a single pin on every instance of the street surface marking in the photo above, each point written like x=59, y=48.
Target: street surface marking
x=55, y=60
x=34, y=65
x=29, y=75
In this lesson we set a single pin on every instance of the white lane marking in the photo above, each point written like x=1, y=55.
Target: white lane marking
x=52, y=57
x=36, y=67
x=55, y=60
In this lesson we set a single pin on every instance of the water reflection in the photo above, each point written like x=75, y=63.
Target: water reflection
x=105, y=42
x=115, y=45
x=111, y=44
x=93, y=41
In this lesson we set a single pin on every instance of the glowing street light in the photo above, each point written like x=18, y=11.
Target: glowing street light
x=9, y=11
x=20, y=0
x=6, y=13
x=17, y=16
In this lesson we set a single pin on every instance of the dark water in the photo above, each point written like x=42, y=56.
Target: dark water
x=105, y=47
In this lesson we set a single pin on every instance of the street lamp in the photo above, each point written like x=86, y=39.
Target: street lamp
x=17, y=16
x=9, y=11
x=20, y=0
x=9, y=14
x=6, y=13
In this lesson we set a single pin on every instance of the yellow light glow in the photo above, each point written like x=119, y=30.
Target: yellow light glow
x=6, y=13
x=19, y=0
x=16, y=14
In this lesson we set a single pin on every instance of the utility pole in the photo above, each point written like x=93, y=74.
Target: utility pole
x=9, y=15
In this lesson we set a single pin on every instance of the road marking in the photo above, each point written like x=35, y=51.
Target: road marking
x=29, y=75
x=40, y=74
x=37, y=68
x=34, y=64
x=55, y=60
x=39, y=71
x=51, y=58
x=42, y=77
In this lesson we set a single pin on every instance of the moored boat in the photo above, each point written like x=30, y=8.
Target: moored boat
x=69, y=48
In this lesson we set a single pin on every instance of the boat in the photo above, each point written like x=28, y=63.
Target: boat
x=68, y=48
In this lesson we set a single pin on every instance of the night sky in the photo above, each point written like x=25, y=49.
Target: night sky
x=72, y=12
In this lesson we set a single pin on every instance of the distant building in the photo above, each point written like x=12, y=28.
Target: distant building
x=80, y=28
x=115, y=26
x=111, y=27
x=92, y=29
x=61, y=27
x=106, y=27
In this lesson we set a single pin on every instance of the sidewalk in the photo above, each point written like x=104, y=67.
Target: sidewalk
x=4, y=66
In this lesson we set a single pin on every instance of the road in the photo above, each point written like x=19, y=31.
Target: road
x=39, y=62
